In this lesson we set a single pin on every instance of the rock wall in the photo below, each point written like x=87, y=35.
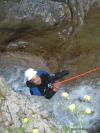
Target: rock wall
x=22, y=13
x=15, y=107
x=17, y=12
x=81, y=7
x=22, y=16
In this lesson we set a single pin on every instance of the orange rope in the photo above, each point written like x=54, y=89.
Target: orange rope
x=58, y=83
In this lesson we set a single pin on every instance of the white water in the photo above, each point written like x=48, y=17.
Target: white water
x=77, y=96
x=13, y=66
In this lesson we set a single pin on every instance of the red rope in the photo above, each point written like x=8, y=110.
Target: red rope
x=58, y=83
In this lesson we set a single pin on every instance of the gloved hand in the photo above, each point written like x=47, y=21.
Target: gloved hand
x=65, y=72
x=53, y=87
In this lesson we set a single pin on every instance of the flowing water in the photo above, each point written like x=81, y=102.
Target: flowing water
x=13, y=66
x=76, y=95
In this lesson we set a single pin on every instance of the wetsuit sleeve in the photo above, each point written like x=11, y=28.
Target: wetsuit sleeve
x=42, y=72
x=35, y=91
x=59, y=75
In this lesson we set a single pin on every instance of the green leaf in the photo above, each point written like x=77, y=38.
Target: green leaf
x=10, y=131
x=20, y=130
x=66, y=130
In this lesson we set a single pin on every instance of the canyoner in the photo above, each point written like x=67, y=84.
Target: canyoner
x=41, y=83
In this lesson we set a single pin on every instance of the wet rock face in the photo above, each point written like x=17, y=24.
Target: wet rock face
x=22, y=20
x=19, y=11
x=23, y=14
x=15, y=13
x=81, y=7
x=20, y=15
x=32, y=16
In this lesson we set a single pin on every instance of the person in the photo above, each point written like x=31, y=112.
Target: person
x=41, y=82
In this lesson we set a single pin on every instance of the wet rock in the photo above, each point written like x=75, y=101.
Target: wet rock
x=33, y=17
x=37, y=16
x=80, y=8
x=4, y=87
x=49, y=11
x=17, y=45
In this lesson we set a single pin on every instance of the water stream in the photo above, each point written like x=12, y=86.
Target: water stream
x=77, y=96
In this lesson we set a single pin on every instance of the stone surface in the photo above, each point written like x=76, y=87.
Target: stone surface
x=16, y=107
x=50, y=11
x=25, y=14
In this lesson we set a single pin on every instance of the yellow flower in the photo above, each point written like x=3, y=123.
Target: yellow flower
x=35, y=131
x=88, y=111
x=72, y=107
x=87, y=98
x=33, y=115
x=65, y=94
x=25, y=120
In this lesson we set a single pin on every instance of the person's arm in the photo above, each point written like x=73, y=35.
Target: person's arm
x=58, y=75
x=40, y=72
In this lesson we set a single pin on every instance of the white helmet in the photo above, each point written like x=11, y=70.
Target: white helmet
x=30, y=73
